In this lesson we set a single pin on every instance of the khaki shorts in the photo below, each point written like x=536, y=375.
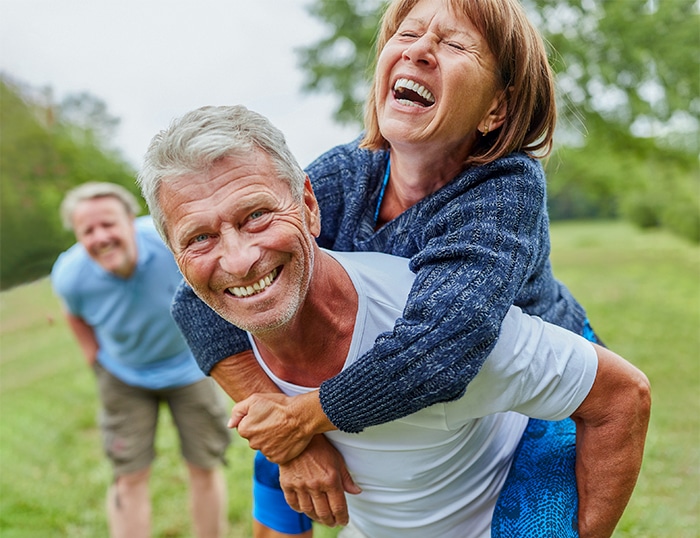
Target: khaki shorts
x=129, y=417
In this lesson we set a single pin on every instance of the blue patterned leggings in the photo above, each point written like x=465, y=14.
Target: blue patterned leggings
x=539, y=498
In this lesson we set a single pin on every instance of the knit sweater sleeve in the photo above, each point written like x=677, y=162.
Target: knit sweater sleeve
x=478, y=249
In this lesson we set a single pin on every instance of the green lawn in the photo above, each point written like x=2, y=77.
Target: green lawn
x=642, y=292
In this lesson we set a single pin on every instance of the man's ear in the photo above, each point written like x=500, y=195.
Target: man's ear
x=311, y=204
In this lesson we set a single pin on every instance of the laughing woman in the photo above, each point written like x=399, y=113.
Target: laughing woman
x=446, y=173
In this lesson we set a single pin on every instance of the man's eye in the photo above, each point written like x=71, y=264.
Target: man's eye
x=200, y=237
x=256, y=214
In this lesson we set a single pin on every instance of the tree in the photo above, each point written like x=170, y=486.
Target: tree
x=630, y=107
x=627, y=75
x=87, y=117
x=41, y=159
x=632, y=66
x=340, y=63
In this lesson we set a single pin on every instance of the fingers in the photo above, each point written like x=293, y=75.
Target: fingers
x=271, y=425
x=314, y=483
x=239, y=411
x=348, y=483
x=327, y=508
x=338, y=508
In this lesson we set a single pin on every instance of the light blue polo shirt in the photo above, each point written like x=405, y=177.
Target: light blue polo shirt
x=139, y=341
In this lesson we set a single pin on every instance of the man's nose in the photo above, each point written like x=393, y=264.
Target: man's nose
x=100, y=235
x=238, y=254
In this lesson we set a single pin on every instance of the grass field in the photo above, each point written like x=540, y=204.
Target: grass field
x=642, y=292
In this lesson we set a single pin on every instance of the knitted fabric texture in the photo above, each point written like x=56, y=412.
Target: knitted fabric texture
x=477, y=245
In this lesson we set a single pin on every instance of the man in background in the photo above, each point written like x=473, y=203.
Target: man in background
x=116, y=285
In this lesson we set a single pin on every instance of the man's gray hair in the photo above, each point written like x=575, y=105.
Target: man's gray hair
x=91, y=191
x=202, y=138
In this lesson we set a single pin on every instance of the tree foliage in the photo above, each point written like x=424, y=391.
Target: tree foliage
x=43, y=155
x=633, y=65
x=629, y=87
x=340, y=62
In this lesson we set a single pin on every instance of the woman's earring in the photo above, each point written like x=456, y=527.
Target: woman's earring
x=485, y=131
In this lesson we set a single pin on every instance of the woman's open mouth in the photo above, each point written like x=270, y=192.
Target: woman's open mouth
x=411, y=93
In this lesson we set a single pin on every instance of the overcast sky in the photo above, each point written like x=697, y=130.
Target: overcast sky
x=153, y=60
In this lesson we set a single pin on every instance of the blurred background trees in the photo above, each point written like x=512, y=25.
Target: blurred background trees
x=628, y=75
x=45, y=149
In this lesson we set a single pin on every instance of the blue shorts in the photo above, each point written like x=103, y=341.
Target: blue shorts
x=269, y=506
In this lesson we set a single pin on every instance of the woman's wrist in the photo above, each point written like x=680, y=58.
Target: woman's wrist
x=315, y=420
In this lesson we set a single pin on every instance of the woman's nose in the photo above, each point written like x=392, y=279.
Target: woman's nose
x=421, y=51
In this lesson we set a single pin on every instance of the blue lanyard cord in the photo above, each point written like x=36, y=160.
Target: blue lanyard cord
x=385, y=181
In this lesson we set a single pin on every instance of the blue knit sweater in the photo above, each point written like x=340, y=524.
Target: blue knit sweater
x=477, y=246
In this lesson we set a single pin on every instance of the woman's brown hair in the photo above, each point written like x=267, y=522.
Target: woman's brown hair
x=524, y=71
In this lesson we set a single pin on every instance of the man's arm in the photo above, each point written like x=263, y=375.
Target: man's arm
x=241, y=376
x=611, y=430
x=611, y=427
x=85, y=335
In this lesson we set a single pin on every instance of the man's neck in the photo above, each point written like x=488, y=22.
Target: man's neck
x=314, y=345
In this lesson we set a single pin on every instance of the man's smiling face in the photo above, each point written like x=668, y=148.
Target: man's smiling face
x=106, y=230
x=242, y=240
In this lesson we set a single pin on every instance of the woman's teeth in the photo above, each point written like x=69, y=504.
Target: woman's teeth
x=409, y=92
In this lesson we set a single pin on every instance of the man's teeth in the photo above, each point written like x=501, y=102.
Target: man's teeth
x=419, y=94
x=257, y=287
x=104, y=249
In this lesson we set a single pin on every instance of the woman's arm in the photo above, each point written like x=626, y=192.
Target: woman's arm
x=211, y=338
x=476, y=243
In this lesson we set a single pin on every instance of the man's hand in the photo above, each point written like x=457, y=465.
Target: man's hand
x=316, y=481
x=279, y=426
x=285, y=429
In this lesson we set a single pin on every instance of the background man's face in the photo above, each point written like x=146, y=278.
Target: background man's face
x=242, y=241
x=106, y=230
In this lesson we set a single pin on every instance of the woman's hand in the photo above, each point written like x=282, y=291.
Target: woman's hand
x=280, y=426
